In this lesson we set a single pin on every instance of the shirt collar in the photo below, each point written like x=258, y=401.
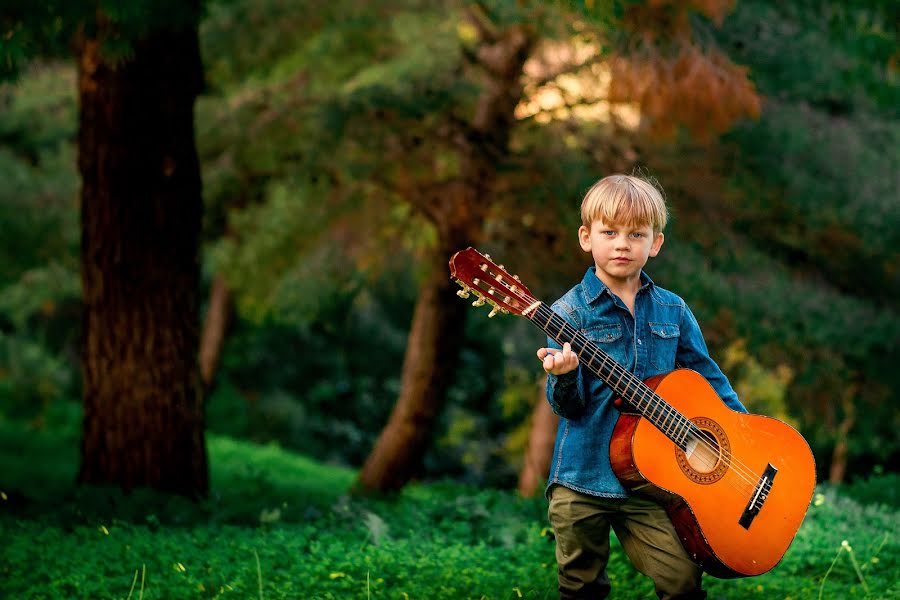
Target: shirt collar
x=593, y=287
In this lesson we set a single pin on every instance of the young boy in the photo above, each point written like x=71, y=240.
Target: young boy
x=649, y=331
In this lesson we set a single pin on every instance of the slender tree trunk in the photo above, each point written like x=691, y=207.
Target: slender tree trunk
x=539, y=451
x=218, y=314
x=838, y=469
x=437, y=330
x=430, y=362
x=141, y=216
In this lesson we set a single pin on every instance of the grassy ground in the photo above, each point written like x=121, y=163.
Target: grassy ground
x=279, y=525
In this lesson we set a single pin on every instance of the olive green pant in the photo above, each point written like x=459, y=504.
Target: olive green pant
x=581, y=523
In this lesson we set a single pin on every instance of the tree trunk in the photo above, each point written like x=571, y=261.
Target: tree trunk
x=141, y=215
x=838, y=469
x=539, y=451
x=458, y=215
x=432, y=352
x=218, y=314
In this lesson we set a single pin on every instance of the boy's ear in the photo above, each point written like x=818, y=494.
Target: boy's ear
x=657, y=244
x=584, y=238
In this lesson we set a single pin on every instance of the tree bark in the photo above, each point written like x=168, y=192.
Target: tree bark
x=838, y=469
x=218, y=314
x=458, y=214
x=539, y=451
x=141, y=216
x=431, y=356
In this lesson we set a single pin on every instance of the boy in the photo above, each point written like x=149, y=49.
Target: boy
x=649, y=331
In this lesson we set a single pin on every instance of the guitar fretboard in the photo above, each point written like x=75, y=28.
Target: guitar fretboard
x=624, y=384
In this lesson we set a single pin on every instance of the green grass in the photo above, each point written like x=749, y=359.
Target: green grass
x=279, y=525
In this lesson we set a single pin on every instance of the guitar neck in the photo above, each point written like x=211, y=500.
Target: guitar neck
x=624, y=384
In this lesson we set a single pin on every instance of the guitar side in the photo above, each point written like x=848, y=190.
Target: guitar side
x=737, y=512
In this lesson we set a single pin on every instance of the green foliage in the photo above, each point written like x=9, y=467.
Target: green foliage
x=39, y=280
x=30, y=31
x=878, y=488
x=311, y=540
x=852, y=46
x=827, y=197
x=305, y=378
x=763, y=392
x=30, y=378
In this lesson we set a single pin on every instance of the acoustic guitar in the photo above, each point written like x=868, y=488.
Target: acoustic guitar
x=736, y=486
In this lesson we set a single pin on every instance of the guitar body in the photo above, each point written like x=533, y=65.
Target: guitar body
x=738, y=496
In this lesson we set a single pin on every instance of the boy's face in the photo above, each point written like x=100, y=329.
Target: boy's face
x=619, y=251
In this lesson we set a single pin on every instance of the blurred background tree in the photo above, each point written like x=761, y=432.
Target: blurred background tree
x=331, y=137
x=138, y=75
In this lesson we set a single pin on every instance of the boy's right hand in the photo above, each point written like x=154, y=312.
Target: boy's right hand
x=558, y=362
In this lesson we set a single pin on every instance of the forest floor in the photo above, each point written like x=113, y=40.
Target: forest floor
x=279, y=525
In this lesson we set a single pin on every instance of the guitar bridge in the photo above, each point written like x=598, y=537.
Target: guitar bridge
x=760, y=493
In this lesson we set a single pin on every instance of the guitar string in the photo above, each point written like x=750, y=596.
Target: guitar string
x=667, y=411
x=742, y=471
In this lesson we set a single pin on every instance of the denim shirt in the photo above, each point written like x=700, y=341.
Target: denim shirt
x=661, y=336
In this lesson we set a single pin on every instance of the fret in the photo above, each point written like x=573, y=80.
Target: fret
x=653, y=415
x=645, y=399
x=664, y=419
x=561, y=326
x=610, y=369
x=625, y=392
x=590, y=362
x=639, y=387
x=667, y=422
x=619, y=380
x=685, y=427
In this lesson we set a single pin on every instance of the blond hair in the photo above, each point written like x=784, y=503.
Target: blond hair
x=625, y=200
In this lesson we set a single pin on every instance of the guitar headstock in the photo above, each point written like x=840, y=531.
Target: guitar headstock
x=490, y=282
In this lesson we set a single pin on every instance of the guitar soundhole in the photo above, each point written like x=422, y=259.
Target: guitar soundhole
x=707, y=456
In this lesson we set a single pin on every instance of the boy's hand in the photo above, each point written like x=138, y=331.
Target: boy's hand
x=558, y=362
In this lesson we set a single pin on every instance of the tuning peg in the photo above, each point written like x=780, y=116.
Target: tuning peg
x=516, y=277
x=493, y=312
x=464, y=292
x=479, y=302
x=502, y=267
x=484, y=267
x=487, y=256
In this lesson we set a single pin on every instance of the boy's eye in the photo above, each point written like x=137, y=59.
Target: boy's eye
x=609, y=232
x=637, y=234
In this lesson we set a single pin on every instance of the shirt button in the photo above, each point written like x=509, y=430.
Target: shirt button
x=639, y=341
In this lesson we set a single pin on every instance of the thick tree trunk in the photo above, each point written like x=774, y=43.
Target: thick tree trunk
x=141, y=216
x=218, y=314
x=430, y=362
x=539, y=451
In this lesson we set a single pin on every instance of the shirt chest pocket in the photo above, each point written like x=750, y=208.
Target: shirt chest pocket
x=663, y=345
x=608, y=338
